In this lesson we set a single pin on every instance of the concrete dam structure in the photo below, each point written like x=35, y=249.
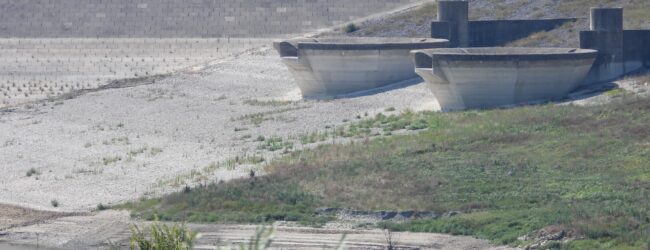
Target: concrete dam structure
x=335, y=67
x=620, y=51
x=478, y=78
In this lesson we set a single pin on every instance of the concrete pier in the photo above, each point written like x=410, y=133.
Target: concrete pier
x=607, y=38
x=456, y=15
x=606, y=19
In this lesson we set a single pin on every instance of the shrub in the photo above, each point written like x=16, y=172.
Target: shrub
x=161, y=237
x=31, y=171
x=351, y=28
x=101, y=207
x=54, y=203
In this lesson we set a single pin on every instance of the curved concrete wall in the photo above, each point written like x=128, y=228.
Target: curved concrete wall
x=334, y=67
x=179, y=18
x=477, y=78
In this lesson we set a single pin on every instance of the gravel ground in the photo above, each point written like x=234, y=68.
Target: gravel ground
x=120, y=144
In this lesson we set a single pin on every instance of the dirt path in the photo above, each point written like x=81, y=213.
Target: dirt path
x=14, y=216
x=98, y=230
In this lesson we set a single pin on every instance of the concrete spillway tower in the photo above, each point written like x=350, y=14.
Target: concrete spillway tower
x=456, y=14
x=606, y=36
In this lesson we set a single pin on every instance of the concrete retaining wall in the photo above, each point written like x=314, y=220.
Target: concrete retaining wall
x=179, y=18
x=494, y=32
x=620, y=51
x=498, y=32
x=636, y=46
x=453, y=24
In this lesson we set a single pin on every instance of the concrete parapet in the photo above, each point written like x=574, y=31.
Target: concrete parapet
x=492, y=33
x=456, y=16
x=478, y=78
x=335, y=67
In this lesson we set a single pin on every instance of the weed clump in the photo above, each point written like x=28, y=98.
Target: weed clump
x=351, y=28
x=161, y=236
x=31, y=171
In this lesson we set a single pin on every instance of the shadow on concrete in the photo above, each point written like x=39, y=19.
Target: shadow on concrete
x=590, y=91
x=369, y=92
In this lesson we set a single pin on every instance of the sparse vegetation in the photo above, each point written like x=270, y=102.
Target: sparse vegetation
x=275, y=144
x=511, y=172
x=410, y=23
x=616, y=92
x=111, y=160
x=548, y=38
x=31, y=171
x=271, y=103
x=351, y=28
x=314, y=137
x=260, y=117
x=161, y=237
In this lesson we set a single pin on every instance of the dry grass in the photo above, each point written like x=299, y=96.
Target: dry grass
x=553, y=38
x=410, y=23
x=636, y=11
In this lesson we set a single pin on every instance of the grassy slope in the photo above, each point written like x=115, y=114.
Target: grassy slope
x=582, y=169
x=415, y=23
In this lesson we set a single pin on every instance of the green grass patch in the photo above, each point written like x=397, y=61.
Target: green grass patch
x=511, y=172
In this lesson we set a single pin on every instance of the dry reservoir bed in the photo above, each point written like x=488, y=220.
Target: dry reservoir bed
x=34, y=69
x=194, y=126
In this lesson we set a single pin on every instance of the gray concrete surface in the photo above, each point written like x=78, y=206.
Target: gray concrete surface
x=332, y=67
x=477, y=78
